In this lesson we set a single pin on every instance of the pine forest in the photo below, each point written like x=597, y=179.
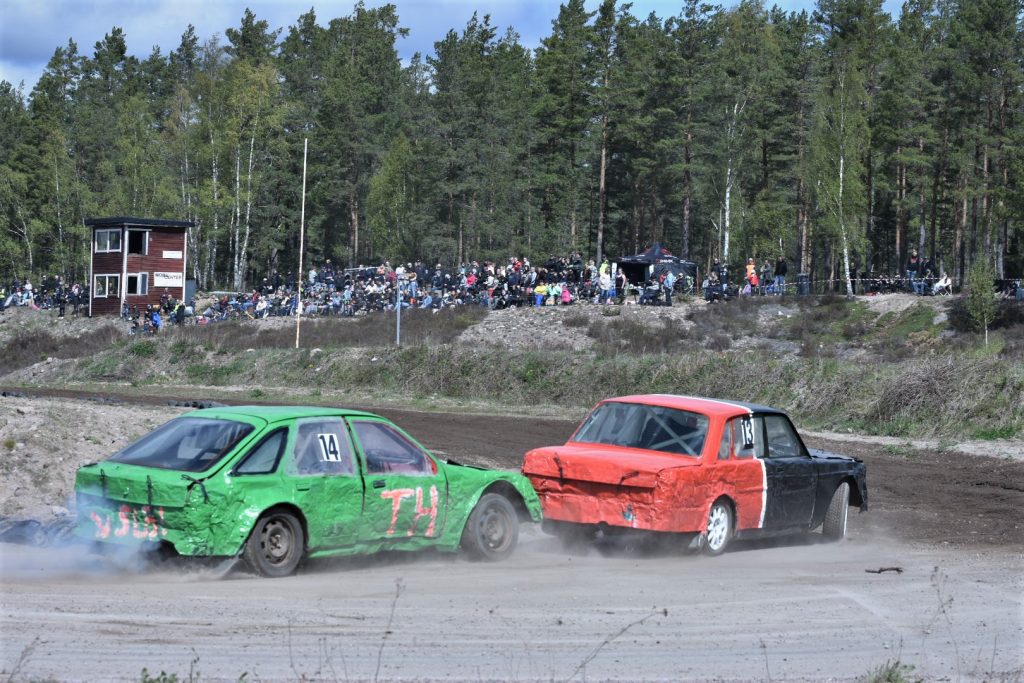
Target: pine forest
x=842, y=138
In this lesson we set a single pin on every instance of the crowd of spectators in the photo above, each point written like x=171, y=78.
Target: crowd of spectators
x=326, y=290
x=52, y=293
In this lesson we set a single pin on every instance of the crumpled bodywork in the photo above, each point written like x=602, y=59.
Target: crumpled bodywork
x=212, y=512
x=627, y=487
x=771, y=483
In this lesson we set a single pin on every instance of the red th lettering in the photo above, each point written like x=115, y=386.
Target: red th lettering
x=102, y=525
x=424, y=512
x=163, y=529
x=396, y=496
x=122, y=516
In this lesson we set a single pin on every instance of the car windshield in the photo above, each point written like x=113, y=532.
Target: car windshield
x=188, y=444
x=654, y=428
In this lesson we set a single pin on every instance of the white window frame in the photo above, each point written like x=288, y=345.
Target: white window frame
x=145, y=242
x=106, y=248
x=142, y=282
x=108, y=294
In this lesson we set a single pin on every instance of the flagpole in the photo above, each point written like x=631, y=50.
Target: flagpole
x=302, y=242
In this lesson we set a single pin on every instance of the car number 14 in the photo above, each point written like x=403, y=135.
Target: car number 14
x=329, y=451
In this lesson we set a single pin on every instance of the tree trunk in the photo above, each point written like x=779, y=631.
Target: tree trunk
x=901, y=195
x=687, y=191
x=236, y=221
x=958, y=232
x=842, y=227
x=601, y=181
x=353, y=217
x=244, y=257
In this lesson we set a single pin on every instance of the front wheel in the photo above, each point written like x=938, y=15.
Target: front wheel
x=719, y=531
x=275, y=545
x=492, y=530
x=834, y=526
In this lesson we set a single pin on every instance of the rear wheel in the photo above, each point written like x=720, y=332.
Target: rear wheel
x=719, y=531
x=834, y=527
x=492, y=530
x=275, y=545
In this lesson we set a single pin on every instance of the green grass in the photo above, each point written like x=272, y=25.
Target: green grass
x=992, y=433
x=143, y=349
x=893, y=671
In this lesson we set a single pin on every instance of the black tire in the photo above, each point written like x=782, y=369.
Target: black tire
x=492, y=530
x=276, y=544
x=834, y=526
x=720, y=528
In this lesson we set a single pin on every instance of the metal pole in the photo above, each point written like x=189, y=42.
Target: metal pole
x=302, y=242
x=398, y=314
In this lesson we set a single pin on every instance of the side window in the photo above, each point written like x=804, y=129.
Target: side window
x=388, y=451
x=747, y=436
x=264, y=457
x=782, y=439
x=322, y=447
x=725, y=447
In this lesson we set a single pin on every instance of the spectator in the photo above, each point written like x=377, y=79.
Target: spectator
x=765, y=277
x=669, y=284
x=780, y=276
x=540, y=293
x=913, y=263
x=943, y=285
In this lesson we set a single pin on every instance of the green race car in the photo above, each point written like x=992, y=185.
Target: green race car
x=275, y=484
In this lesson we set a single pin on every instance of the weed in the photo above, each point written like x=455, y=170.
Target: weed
x=893, y=671
x=900, y=450
x=143, y=349
x=612, y=638
x=993, y=433
x=399, y=587
x=9, y=444
x=257, y=393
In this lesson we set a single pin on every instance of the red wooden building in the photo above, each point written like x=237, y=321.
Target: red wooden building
x=134, y=260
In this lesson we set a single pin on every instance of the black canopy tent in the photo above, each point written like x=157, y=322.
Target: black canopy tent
x=653, y=262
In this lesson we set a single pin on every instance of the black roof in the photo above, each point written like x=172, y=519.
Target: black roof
x=131, y=221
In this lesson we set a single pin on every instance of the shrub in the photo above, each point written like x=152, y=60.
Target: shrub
x=143, y=349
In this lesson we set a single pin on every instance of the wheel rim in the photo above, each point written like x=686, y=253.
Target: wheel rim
x=277, y=540
x=718, y=527
x=495, y=529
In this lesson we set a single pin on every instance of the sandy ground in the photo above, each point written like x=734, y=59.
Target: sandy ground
x=792, y=610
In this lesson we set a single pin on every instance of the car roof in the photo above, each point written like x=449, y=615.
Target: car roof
x=276, y=413
x=697, y=404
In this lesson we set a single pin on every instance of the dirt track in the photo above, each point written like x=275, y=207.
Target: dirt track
x=791, y=611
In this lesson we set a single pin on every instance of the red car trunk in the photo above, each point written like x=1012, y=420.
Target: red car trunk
x=601, y=484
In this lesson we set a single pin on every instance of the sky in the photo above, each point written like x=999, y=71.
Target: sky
x=30, y=30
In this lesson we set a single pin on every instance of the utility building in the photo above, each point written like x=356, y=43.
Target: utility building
x=134, y=260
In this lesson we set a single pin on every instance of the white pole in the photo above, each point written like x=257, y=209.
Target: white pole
x=398, y=315
x=302, y=242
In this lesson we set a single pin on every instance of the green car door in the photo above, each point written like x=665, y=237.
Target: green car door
x=328, y=489
x=406, y=492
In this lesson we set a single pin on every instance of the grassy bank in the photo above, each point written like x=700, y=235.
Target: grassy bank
x=831, y=364
x=946, y=395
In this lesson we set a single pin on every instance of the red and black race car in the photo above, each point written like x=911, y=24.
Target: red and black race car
x=720, y=469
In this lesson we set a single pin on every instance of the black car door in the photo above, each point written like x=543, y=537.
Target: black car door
x=790, y=474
